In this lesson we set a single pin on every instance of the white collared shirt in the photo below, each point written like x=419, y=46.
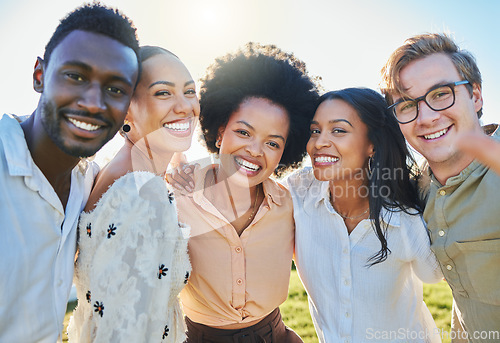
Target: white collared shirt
x=37, y=241
x=350, y=302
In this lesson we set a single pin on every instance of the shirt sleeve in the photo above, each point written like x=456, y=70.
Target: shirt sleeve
x=419, y=253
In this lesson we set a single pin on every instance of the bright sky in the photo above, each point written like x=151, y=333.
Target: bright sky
x=344, y=42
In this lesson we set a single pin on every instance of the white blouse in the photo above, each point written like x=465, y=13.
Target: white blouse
x=131, y=266
x=350, y=302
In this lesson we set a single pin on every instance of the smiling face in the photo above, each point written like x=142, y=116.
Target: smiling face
x=86, y=90
x=433, y=133
x=253, y=141
x=339, y=147
x=165, y=105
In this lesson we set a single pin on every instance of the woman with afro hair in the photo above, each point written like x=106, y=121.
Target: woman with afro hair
x=256, y=106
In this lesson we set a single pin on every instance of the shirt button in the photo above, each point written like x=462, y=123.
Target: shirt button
x=449, y=267
x=442, y=192
x=239, y=282
x=347, y=340
x=346, y=282
x=59, y=283
x=441, y=233
x=347, y=314
x=238, y=249
x=344, y=251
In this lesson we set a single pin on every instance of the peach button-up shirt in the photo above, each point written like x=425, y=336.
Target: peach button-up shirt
x=237, y=279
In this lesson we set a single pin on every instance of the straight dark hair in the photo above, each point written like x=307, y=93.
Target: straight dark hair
x=391, y=181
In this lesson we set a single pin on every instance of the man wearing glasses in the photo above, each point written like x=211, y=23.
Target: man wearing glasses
x=434, y=90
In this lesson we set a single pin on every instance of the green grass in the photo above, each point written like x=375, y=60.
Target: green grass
x=438, y=299
x=69, y=311
x=296, y=315
x=295, y=310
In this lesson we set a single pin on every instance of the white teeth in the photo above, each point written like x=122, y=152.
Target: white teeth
x=325, y=159
x=83, y=126
x=177, y=126
x=247, y=165
x=436, y=135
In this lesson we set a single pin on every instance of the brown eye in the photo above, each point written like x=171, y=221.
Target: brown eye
x=115, y=90
x=162, y=93
x=274, y=145
x=74, y=77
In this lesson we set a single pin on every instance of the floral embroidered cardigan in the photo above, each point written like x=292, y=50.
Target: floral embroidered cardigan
x=131, y=266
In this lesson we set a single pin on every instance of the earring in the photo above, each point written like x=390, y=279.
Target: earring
x=370, y=163
x=217, y=144
x=126, y=128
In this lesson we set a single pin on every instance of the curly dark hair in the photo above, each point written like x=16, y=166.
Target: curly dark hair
x=260, y=71
x=95, y=18
x=391, y=182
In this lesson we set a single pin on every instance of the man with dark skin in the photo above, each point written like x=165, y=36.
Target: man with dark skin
x=85, y=80
x=84, y=96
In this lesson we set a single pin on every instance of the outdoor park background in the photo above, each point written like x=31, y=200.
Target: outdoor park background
x=344, y=42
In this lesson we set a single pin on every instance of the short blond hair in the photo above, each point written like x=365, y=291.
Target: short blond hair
x=420, y=46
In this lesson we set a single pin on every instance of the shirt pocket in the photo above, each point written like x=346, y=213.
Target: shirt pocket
x=482, y=260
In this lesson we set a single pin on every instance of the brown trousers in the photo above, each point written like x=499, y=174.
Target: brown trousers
x=271, y=329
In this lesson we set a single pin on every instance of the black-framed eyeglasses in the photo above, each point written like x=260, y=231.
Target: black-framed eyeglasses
x=438, y=98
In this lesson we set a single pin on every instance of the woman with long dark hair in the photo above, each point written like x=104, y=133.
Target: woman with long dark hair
x=362, y=249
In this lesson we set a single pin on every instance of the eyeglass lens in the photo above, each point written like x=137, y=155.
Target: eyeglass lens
x=437, y=99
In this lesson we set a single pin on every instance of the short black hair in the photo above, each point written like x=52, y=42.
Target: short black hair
x=260, y=71
x=99, y=19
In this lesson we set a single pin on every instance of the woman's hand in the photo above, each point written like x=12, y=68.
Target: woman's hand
x=182, y=178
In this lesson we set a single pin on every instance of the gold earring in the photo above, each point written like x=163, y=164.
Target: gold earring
x=370, y=163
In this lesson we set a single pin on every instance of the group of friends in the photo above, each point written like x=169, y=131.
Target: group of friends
x=204, y=253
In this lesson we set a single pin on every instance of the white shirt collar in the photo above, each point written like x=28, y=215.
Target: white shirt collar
x=392, y=217
x=19, y=160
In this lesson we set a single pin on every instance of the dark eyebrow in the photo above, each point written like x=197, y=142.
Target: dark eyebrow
x=88, y=68
x=168, y=83
x=278, y=137
x=251, y=127
x=78, y=64
x=406, y=97
x=334, y=121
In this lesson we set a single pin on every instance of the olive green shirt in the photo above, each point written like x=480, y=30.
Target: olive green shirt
x=463, y=218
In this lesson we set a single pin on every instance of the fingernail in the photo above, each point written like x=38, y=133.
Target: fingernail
x=191, y=183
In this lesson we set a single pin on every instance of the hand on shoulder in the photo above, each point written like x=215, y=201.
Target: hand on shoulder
x=182, y=177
